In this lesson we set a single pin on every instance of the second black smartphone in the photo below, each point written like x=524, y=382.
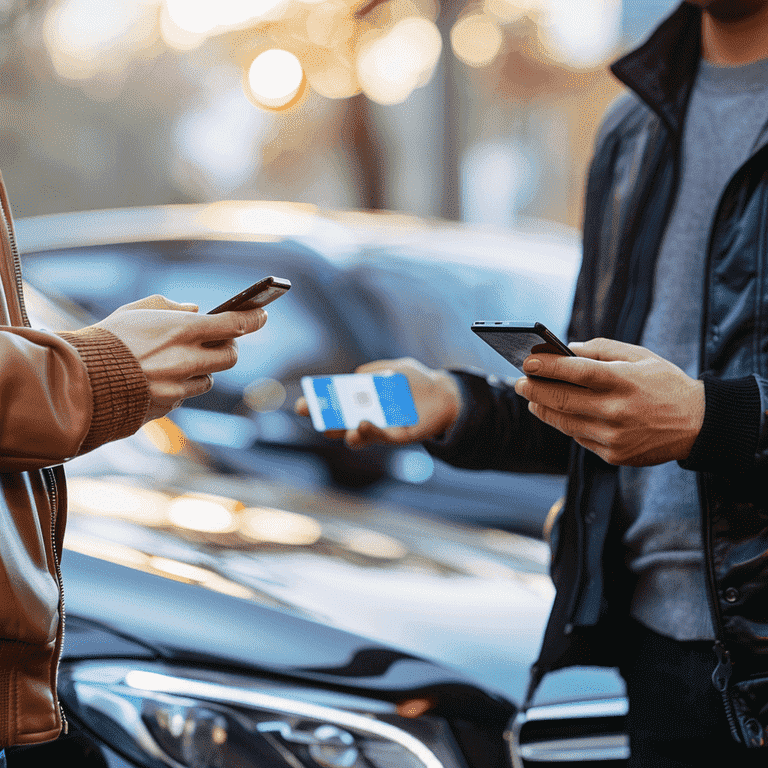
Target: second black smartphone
x=259, y=294
x=514, y=342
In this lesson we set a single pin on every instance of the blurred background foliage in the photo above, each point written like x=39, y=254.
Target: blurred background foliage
x=483, y=111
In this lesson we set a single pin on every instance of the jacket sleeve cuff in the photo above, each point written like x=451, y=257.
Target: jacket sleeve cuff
x=119, y=389
x=448, y=438
x=729, y=435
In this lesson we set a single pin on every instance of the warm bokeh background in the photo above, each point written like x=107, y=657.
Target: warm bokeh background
x=482, y=111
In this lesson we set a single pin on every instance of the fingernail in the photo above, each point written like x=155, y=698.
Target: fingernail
x=532, y=366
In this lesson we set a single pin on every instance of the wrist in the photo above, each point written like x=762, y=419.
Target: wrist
x=730, y=429
x=696, y=418
x=451, y=397
x=119, y=389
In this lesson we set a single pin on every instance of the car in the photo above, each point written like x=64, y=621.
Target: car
x=366, y=286
x=219, y=620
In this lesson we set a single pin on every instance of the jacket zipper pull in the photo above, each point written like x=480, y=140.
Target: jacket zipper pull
x=720, y=678
x=722, y=674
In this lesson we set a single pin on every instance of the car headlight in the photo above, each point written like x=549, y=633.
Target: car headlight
x=158, y=717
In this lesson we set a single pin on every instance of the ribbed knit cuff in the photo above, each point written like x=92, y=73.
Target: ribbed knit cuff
x=731, y=429
x=118, y=386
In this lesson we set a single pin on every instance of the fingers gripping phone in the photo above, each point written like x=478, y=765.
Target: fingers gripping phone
x=259, y=294
x=515, y=342
x=342, y=402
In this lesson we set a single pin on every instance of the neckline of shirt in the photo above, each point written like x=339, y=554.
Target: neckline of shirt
x=732, y=80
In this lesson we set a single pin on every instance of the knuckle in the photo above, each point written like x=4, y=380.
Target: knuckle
x=620, y=456
x=156, y=301
x=231, y=354
x=590, y=377
x=612, y=410
x=240, y=324
x=562, y=399
x=611, y=437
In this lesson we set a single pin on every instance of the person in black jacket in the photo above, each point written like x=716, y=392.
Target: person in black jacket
x=660, y=554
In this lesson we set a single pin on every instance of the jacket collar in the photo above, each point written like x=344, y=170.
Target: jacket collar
x=662, y=70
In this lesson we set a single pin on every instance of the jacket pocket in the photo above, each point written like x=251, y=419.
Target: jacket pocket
x=29, y=591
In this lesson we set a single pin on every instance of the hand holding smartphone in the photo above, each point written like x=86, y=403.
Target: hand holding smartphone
x=343, y=401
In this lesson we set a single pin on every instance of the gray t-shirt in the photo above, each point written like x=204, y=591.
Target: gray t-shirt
x=725, y=119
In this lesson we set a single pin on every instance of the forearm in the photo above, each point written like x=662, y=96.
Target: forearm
x=64, y=395
x=497, y=432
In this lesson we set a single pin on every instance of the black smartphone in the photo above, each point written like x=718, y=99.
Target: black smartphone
x=514, y=341
x=258, y=295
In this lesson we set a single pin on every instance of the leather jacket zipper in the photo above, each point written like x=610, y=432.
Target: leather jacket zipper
x=16, y=266
x=53, y=490
x=49, y=473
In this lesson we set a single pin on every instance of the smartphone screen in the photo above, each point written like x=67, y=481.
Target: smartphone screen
x=343, y=401
x=515, y=342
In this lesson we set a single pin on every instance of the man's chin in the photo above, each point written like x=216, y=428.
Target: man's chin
x=730, y=10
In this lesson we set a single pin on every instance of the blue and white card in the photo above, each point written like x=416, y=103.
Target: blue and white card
x=343, y=401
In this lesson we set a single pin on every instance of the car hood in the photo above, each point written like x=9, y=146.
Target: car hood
x=189, y=560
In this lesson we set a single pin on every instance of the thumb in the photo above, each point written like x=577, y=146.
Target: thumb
x=609, y=350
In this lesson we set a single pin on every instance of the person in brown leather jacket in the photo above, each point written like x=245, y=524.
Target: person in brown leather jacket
x=61, y=396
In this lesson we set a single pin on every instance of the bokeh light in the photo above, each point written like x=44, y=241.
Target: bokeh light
x=203, y=512
x=582, y=32
x=507, y=11
x=206, y=17
x=275, y=79
x=477, y=39
x=277, y=526
x=83, y=40
x=165, y=435
x=264, y=395
x=392, y=66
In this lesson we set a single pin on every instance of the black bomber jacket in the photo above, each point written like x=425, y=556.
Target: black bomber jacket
x=630, y=193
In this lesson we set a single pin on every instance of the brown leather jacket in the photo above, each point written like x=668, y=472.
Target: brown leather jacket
x=60, y=395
